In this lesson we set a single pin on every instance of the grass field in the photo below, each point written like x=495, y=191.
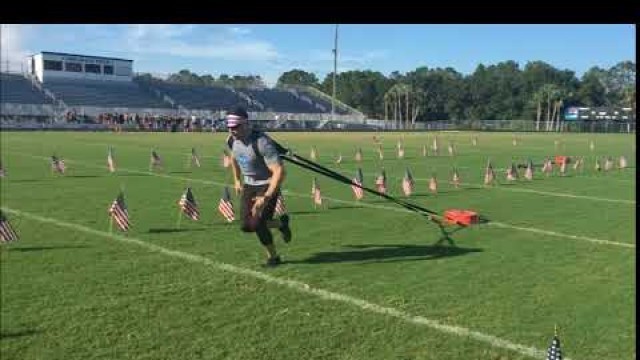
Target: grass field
x=361, y=280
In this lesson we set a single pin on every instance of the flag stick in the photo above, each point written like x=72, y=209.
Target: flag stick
x=179, y=218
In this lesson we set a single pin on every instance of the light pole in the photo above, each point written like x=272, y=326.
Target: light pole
x=335, y=70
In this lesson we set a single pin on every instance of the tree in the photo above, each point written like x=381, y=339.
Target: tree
x=298, y=77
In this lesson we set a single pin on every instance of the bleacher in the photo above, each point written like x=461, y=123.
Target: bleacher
x=200, y=97
x=326, y=104
x=76, y=92
x=280, y=101
x=17, y=89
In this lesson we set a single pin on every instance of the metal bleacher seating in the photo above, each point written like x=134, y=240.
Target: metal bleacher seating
x=200, y=97
x=76, y=92
x=281, y=101
x=16, y=89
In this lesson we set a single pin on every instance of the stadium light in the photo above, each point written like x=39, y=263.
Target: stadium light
x=335, y=70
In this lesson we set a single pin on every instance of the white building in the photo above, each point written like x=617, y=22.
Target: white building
x=48, y=65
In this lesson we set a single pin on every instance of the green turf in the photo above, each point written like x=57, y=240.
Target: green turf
x=69, y=294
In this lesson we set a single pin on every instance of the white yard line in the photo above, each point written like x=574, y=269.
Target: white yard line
x=300, y=287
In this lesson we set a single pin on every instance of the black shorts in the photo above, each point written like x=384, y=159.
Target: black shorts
x=249, y=192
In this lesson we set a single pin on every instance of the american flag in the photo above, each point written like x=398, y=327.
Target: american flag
x=225, y=207
x=381, y=182
x=407, y=183
x=456, y=178
x=118, y=212
x=281, y=208
x=315, y=191
x=489, y=175
x=57, y=164
x=195, y=159
x=358, y=154
x=433, y=184
x=512, y=173
x=7, y=234
x=155, y=161
x=357, y=191
x=226, y=159
x=608, y=164
x=622, y=163
x=314, y=153
x=554, y=352
x=528, y=173
x=188, y=205
x=110, y=162
x=547, y=167
x=579, y=164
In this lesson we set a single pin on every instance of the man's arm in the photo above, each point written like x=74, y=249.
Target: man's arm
x=235, y=168
x=277, y=178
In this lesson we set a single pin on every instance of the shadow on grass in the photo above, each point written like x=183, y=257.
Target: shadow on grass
x=386, y=253
x=174, y=230
x=14, y=334
x=42, y=248
x=81, y=176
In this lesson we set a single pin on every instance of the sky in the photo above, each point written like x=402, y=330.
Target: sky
x=270, y=50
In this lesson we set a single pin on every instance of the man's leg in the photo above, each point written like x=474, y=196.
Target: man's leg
x=282, y=223
x=257, y=224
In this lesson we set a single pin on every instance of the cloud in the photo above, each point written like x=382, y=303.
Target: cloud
x=12, y=46
x=240, y=30
x=180, y=40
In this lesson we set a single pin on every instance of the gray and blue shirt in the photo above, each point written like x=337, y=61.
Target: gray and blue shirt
x=254, y=166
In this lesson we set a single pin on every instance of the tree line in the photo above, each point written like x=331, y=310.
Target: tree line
x=539, y=91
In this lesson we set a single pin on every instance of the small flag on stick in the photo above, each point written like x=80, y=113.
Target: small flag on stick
x=528, y=173
x=622, y=163
x=118, y=212
x=225, y=206
x=57, y=164
x=455, y=180
x=381, y=182
x=111, y=164
x=315, y=193
x=281, y=208
x=433, y=184
x=188, y=205
x=407, y=183
x=7, y=233
x=489, y=174
x=195, y=159
x=554, y=352
x=357, y=191
x=155, y=162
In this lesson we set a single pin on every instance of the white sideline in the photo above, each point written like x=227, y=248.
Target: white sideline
x=368, y=205
x=301, y=287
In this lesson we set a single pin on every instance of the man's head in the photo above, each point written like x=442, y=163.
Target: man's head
x=238, y=123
